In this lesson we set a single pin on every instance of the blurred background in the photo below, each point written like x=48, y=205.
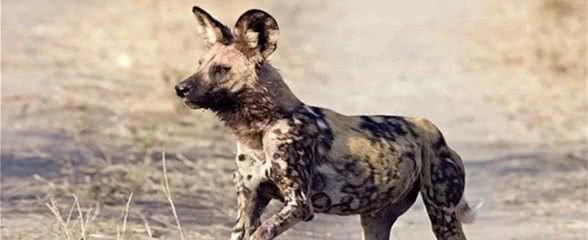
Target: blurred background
x=88, y=108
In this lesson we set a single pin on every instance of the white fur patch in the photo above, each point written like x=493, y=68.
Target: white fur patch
x=322, y=124
x=253, y=167
x=311, y=111
x=281, y=163
x=252, y=39
x=465, y=213
x=297, y=121
x=205, y=29
x=273, y=36
x=469, y=215
x=211, y=35
x=450, y=160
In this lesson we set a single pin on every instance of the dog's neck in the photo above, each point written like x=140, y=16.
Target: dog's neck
x=260, y=106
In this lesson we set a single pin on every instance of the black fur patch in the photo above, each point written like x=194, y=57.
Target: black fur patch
x=321, y=201
x=448, y=183
x=326, y=136
x=379, y=130
x=318, y=182
x=219, y=100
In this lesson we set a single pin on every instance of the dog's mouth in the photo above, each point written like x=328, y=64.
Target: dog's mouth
x=212, y=100
x=191, y=104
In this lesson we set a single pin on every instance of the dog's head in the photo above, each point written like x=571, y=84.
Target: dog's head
x=230, y=67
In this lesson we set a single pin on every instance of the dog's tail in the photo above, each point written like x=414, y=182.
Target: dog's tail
x=443, y=184
x=465, y=213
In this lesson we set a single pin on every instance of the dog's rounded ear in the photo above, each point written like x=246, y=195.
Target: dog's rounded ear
x=211, y=30
x=257, y=33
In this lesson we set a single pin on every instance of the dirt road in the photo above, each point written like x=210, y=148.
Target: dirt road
x=87, y=109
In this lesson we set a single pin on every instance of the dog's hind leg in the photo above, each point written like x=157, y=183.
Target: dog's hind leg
x=442, y=189
x=377, y=225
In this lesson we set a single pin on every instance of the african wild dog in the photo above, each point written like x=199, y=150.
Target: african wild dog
x=313, y=159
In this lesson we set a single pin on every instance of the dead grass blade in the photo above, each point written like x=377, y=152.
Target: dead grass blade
x=62, y=223
x=167, y=192
x=147, y=226
x=121, y=235
x=81, y=217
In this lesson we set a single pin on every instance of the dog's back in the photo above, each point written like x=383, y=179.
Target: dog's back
x=370, y=162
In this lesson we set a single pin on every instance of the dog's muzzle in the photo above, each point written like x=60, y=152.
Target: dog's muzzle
x=183, y=89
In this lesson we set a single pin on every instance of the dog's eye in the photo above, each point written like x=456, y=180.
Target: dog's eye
x=199, y=61
x=221, y=69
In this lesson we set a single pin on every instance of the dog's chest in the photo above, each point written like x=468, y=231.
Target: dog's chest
x=252, y=167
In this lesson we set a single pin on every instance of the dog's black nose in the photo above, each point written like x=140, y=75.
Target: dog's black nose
x=182, y=90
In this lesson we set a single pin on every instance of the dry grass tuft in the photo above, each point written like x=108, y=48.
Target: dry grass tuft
x=66, y=226
x=81, y=229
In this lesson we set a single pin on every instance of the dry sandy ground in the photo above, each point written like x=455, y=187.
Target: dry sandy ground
x=87, y=109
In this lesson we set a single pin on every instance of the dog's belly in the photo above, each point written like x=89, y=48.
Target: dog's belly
x=348, y=187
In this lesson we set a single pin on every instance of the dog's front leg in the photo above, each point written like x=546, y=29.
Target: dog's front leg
x=251, y=203
x=290, y=171
x=297, y=208
x=292, y=180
